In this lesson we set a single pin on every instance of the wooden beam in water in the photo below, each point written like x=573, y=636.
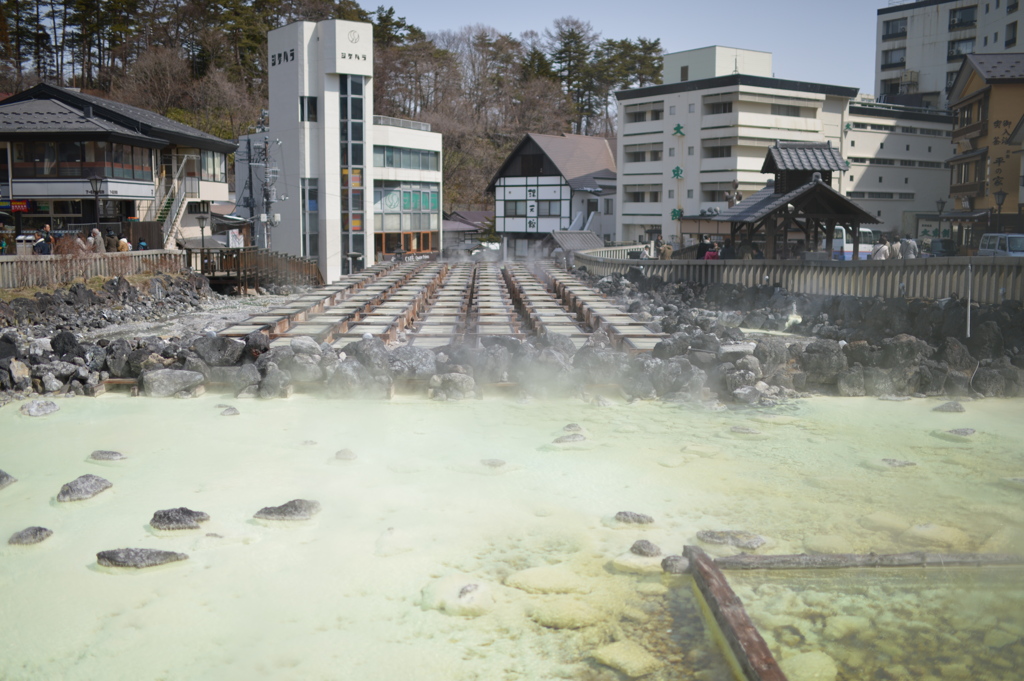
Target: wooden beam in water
x=857, y=560
x=746, y=643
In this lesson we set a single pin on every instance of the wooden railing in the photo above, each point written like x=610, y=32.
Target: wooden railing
x=18, y=271
x=992, y=280
x=249, y=268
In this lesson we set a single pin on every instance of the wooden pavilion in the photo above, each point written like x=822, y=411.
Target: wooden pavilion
x=800, y=198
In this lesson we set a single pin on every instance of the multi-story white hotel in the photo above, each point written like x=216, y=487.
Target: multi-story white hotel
x=685, y=146
x=897, y=161
x=350, y=187
x=920, y=45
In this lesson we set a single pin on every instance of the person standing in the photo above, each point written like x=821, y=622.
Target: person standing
x=665, y=251
x=728, y=252
x=122, y=245
x=705, y=245
x=908, y=248
x=894, y=248
x=97, y=242
x=110, y=242
x=881, y=249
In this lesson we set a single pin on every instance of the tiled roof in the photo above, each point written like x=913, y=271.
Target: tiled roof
x=807, y=156
x=140, y=120
x=766, y=201
x=49, y=116
x=579, y=158
x=1007, y=66
x=577, y=241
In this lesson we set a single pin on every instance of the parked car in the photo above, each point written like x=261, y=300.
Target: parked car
x=1004, y=245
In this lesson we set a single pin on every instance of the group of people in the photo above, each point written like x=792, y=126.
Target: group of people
x=709, y=250
x=95, y=242
x=897, y=249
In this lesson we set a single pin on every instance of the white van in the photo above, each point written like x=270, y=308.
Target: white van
x=843, y=249
x=1004, y=245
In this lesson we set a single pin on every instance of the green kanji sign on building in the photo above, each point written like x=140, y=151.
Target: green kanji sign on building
x=678, y=130
x=677, y=173
x=677, y=214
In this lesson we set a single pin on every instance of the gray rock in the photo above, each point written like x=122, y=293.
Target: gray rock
x=642, y=547
x=106, y=455
x=230, y=411
x=743, y=430
x=275, y=383
x=39, y=408
x=492, y=463
x=30, y=535
x=296, y=509
x=84, y=487
x=731, y=352
x=138, y=558
x=571, y=437
x=897, y=463
x=572, y=428
x=50, y=383
x=675, y=565
x=304, y=367
x=412, y=362
x=117, y=358
x=219, y=351
x=6, y=479
x=371, y=353
x=168, y=382
x=304, y=345
x=345, y=455
x=961, y=432
x=454, y=385
x=737, y=538
x=629, y=517
x=178, y=519
x=248, y=392
x=21, y=374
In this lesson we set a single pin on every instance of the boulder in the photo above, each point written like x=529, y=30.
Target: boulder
x=643, y=547
x=21, y=374
x=565, y=613
x=169, y=382
x=63, y=343
x=458, y=595
x=372, y=354
x=823, y=361
x=850, y=383
x=304, y=367
x=6, y=479
x=178, y=519
x=738, y=538
x=230, y=411
x=771, y=353
x=676, y=344
x=39, y=408
x=296, y=509
x=83, y=487
x=353, y=379
x=453, y=386
x=30, y=535
x=106, y=455
x=138, y=558
x=632, y=518
x=256, y=343
x=549, y=579
x=275, y=383
x=304, y=345
x=412, y=362
x=986, y=341
x=117, y=358
x=953, y=407
x=219, y=351
x=675, y=565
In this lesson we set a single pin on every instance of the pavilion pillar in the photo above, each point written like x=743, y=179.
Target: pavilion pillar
x=769, y=238
x=830, y=234
x=856, y=241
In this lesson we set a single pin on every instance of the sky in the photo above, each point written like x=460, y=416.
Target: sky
x=821, y=41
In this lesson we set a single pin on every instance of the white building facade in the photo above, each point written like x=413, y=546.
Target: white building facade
x=349, y=187
x=920, y=45
x=897, y=161
x=687, y=145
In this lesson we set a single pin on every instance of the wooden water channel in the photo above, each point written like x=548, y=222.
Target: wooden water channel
x=433, y=304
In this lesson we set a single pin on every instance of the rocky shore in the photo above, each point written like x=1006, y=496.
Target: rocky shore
x=838, y=345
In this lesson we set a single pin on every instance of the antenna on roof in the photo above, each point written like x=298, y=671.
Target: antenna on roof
x=736, y=65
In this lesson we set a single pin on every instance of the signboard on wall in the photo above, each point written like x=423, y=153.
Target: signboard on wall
x=15, y=206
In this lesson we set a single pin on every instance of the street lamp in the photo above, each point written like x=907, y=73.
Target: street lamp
x=96, y=188
x=999, y=196
x=202, y=229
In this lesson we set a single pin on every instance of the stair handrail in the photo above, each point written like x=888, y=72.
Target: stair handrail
x=172, y=223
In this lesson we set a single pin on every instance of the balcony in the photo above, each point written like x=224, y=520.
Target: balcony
x=979, y=129
x=896, y=35
x=954, y=55
x=967, y=189
x=895, y=65
x=962, y=24
x=1012, y=7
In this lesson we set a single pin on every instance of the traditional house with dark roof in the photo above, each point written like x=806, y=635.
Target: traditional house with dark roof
x=799, y=199
x=987, y=98
x=69, y=158
x=553, y=183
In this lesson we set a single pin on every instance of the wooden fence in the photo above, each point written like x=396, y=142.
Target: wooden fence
x=249, y=268
x=56, y=270
x=992, y=280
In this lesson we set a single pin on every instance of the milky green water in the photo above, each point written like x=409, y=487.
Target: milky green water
x=341, y=596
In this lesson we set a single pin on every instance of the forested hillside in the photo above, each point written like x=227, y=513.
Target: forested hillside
x=204, y=63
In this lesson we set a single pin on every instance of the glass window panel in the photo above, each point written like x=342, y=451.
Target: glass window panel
x=357, y=85
x=378, y=222
x=357, y=132
x=433, y=200
x=415, y=200
x=434, y=221
x=343, y=108
x=357, y=154
x=406, y=158
x=407, y=201
x=70, y=159
x=378, y=156
x=357, y=109
x=357, y=177
x=344, y=155
x=392, y=201
x=45, y=158
x=378, y=195
x=357, y=199
x=357, y=222
x=392, y=222
x=389, y=157
x=343, y=85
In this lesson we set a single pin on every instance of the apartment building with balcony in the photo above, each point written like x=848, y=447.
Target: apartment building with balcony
x=343, y=186
x=921, y=45
x=897, y=161
x=695, y=144
x=986, y=101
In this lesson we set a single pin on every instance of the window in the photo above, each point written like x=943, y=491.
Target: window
x=895, y=28
x=642, y=193
x=214, y=166
x=883, y=128
x=853, y=143
x=908, y=164
x=689, y=151
x=693, y=108
x=930, y=164
x=639, y=153
x=963, y=17
x=879, y=195
x=1011, y=34
x=894, y=59
x=851, y=178
x=958, y=48
x=719, y=152
x=307, y=109
x=785, y=110
x=684, y=74
x=689, y=193
x=197, y=207
x=515, y=209
x=651, y=111
x=398, y=157
x=890, y=86
x=909, y=131
x=549, y=208
x=609, y=206
x=719, y=108
x=671, y=151
x=310, y=217
x=671, y=111
x=671, y=193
